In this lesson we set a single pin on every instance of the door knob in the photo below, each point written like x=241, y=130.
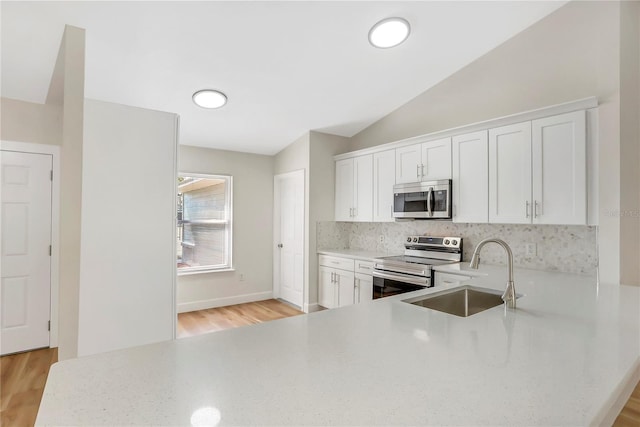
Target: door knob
x=280, y=245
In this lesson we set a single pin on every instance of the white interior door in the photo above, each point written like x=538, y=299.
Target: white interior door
x=25, y=297
x=289, y=259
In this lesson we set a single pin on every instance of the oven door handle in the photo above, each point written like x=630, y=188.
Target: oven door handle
x=401, y=278
x=379, y=269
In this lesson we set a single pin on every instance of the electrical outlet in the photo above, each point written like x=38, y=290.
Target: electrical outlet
x=381, y=238
x=531, y=249
x=242, y=277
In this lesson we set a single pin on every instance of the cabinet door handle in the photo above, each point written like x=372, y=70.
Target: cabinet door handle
x=332, y=277
x=418, y=172
x=526, y=209
x=535, y=209
x=422, y=167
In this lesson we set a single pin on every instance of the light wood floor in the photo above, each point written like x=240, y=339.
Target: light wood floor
x=630, y=414
x=22, y=379
x=22, y=376
x=232, y=316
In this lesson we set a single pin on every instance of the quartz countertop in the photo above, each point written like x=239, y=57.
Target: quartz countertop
x=568, y=355
x=354, y=253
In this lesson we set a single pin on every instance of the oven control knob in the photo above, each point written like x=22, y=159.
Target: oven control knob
x=408, y=239
x=446, y=241
x=415, y=240
x=454, y=242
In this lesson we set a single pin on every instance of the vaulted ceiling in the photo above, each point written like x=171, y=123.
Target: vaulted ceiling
x=287, y=67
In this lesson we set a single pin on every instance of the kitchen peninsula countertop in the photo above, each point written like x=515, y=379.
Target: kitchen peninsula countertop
x=568, y=355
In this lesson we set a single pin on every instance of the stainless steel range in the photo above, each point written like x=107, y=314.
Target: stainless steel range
x=412, y=271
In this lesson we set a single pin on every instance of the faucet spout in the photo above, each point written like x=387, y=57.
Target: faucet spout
x=509, y=295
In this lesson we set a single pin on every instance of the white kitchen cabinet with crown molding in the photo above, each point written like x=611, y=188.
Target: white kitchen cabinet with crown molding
x=510, y=174
x=560, y=169
x=384, y=178
x=428, y=161
x=471, y=177
x=537, y=171
x=354, y=189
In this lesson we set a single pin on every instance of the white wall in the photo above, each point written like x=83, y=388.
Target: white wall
x=571, y=54
x=127, y=260
x=252, y=230
x=294, y=157
x=322, y=148
x=313, y=152
x=29, y=122
x=630, y=141
x=67, y=91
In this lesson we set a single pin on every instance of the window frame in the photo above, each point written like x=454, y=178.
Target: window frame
x=185, y=271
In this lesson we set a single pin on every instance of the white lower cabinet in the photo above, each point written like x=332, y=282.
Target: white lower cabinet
x=363, y=288
x=341, y=281
x=327, y=296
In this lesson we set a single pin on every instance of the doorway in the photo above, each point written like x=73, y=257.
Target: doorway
x=26, y=250
x=288, y=233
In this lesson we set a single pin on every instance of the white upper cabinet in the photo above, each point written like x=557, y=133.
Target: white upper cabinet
x=354, y=189
x=344, y=190
x=428, y=161
x=363, y=188
x=436, y=160
x=384, y=178
x=537, y=171
x=471, y=177
x=526, y=168
x=408, y=161
x=559, y=169
x=510, y=174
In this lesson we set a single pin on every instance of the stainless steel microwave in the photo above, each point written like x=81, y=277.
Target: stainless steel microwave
x=422, y=200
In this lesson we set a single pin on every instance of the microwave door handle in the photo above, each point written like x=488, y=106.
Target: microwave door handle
x=430, y=201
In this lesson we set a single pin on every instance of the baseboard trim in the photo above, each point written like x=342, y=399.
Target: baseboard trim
x=310, y=308
x=221, y=302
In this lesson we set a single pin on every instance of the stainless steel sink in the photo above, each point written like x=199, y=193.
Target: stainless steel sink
x=463, y=302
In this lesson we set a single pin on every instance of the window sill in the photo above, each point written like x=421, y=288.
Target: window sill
x=205, y=271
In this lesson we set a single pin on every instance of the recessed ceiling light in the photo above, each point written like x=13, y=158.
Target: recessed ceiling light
x=389, y=32
x=209, y=98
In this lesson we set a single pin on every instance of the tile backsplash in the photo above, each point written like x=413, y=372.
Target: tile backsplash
x=566, y=248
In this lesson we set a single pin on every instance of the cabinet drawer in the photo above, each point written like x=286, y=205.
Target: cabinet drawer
x=364, y=267
x=335, y=262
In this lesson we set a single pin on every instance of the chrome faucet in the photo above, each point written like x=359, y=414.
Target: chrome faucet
x=509, y=295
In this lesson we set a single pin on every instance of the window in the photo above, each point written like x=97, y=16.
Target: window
x=204, y=223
